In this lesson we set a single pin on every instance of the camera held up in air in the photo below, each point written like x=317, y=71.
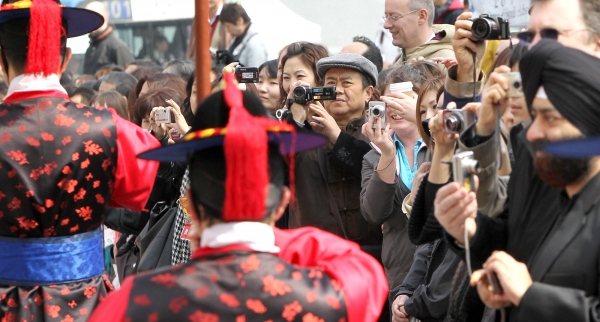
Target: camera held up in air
x=458, y=121
x=464, y=168
x=378, y=110
x=246, y=74
x=488, y=28
x=303, y=95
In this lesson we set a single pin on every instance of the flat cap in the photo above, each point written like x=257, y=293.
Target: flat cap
x=353, y=61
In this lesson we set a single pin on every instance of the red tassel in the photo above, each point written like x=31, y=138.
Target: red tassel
x=246, y=153
x=45, y=30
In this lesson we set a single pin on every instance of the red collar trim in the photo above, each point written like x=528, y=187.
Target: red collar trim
x=19, y=96
x=207, y=251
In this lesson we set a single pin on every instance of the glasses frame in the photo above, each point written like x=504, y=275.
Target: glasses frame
x=396, y=18
x=526, y=37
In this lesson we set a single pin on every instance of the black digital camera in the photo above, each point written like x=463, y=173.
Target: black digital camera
x=488, y=28
x=246, y=74
x=303, y=95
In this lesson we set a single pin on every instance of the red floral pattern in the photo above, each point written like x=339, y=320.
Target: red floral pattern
x=273, y=290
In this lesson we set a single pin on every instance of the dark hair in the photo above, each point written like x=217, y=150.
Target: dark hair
x=86, y=94
x=502, y=59
x=433, y=84
x=14, y=47
x=373, y=53
x=145, y=71
x=158, y=82
x=144, y=104
x=112, y=99
x=518, y=52
x=417, y=73
x=381, y=84
x=231, y=12
x=271, y=66
x=66, y=78
x=309, y=54
x=123, y=82
x=180, y=67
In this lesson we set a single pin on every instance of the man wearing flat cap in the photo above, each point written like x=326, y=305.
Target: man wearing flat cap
x=328, y=179
x=557, y=279
x=61, y=165
x=244, y=269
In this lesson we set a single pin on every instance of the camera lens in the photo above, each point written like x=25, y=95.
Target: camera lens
x=453, y=124
x=471, y=166
x=299, y=91
x=483, y=28
x=377, y=110
x=517, y=85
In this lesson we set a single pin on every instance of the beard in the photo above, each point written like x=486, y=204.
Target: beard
x=560, y=172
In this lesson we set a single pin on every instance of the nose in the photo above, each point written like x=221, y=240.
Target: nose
x=535, y=133
x=387, y=24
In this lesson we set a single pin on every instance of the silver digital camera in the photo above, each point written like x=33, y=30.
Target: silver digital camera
x=515, y=84
x=163, y=115
x=464, y=167
x=377, y=110
x=458, y=121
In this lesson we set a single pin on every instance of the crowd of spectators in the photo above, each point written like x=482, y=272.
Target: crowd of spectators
x=385, y=182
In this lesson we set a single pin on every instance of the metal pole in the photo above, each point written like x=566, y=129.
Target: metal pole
x=203, y=56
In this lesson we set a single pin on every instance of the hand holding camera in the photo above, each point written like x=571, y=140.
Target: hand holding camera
x=378, y=134
x=299, y=111
x=323, y=122
x=402, y=105
x=465, y=44
x=501, y=85
x=445, y=142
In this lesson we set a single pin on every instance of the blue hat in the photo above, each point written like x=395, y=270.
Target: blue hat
x=79, y=21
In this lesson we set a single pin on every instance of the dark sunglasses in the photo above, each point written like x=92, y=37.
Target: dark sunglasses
x=526, y=37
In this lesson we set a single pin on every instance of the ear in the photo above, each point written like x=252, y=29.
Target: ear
x=423, y=15
x=191, y=208
x=368, y=92
x=285, y=200
x=240, y=21
x=65, y=62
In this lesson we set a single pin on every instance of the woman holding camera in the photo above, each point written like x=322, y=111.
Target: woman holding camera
x=388, y=173
x=268, y=85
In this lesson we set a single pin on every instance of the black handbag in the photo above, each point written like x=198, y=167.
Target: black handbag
x=156, y=239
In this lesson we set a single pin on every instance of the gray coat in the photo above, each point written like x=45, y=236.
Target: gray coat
x=252, y=51
x=381, y=204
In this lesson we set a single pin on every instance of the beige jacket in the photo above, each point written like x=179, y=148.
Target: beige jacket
x=432, y=49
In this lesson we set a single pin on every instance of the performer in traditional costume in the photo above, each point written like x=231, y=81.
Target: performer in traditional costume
x=245, y=269
x=61, y=165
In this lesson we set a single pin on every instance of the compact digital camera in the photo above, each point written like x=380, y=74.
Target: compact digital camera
x=303, y=95
x=377, y=110
x=464, y=167
x=515, y=84
x=246, y=74
x=458, y=121
x=488, y=28
x=163, y=115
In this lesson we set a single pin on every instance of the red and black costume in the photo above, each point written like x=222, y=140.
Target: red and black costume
x=61, y=164
x=315, y=276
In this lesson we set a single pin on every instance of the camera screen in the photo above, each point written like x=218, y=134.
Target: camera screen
x=247, y=75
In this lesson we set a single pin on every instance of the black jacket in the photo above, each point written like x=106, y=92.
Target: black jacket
x=105, y=49
x=531, y=209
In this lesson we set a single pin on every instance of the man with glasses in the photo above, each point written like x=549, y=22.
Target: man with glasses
x=411, y=24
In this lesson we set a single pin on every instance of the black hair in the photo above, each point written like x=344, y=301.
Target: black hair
x=15, y=41
x=207, y=181
x=231, y=12
x=143, y=63
x=86, y=94
x=123, y=82
x=181, y=67
x=271, y=66
x=373, y=53
x=517, y=53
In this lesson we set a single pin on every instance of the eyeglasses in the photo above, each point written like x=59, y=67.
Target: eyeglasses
x=526, y=37
x=394, y=18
